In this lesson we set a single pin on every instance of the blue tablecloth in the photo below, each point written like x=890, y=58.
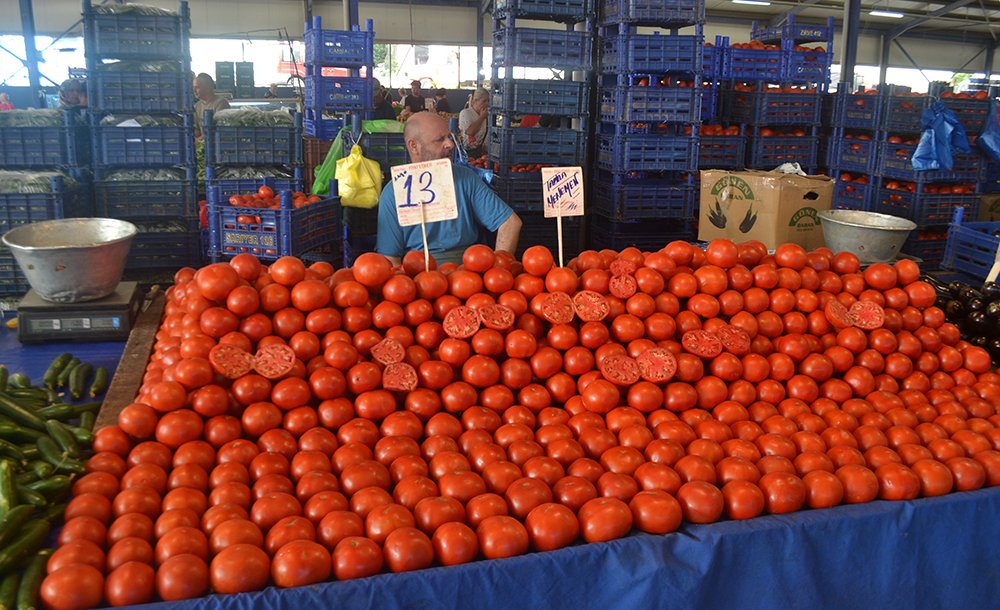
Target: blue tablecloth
x=33, y=359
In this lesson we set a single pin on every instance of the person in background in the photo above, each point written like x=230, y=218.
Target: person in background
x=427, y=139
x=73, y=94
x=5, y=102
x=272, y=91
x=380, y=90
x=441, y=101
x=383, y=110
x=472, y=123
x=208, y=99
x=415, y=101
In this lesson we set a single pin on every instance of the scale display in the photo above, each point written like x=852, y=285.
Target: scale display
x=107, y=319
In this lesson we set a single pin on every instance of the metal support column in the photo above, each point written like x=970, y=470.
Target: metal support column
x=30, y=51
x=307, y=9
x=991, y=49
x=351, y=18
x=480, y=33
x=883, y=64
x=851, y=30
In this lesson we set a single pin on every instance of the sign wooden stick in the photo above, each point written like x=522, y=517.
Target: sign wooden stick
x=423, y=234
x=559, y=236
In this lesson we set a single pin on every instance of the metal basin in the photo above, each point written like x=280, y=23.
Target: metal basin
x=873, y=238
x=72, y=260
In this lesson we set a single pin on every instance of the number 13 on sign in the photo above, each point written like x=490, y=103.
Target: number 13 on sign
x=424, y=192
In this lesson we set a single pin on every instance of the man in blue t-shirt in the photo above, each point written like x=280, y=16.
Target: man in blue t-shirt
x=427, y=139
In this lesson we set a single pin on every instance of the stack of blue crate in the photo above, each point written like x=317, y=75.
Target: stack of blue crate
x=650, y=104
x=775, y=90
x=142, y=130
x=851, y=147
x=339, y=92
x=515, y=153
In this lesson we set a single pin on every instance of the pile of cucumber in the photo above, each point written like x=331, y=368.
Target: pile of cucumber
x=43, y=442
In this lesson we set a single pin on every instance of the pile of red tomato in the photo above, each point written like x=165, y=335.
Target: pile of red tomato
x=300, y=424
x=266, y=198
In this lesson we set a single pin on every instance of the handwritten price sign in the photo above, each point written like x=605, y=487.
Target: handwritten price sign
x=562, y=191
x=425, y=192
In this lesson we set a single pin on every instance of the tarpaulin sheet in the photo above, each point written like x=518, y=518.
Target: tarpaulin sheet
x=930, y=553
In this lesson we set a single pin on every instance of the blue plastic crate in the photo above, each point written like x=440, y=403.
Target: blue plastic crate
x=227, y=187
x=156, y=146
x=134, y=36
x=164, y=243
x=242, y=145
x=721, y=152
x=805, y=66
x=850, y=152
x=627, y=52
x=545, y=97
x=662, y=13
x=340, y=48
x=902, y=112
x=18, y=209
x=338, y=93
x=972, y=113
x=509, y=145
x=570, y=11
x=620, y=198
x=751, y=64
x=972, y=246
x=271, y=234
x=388, y=149
x=651, y=104
x=623, y=152
x=894, y=161
x=315, y=125
x=533, y=47
x=775, y=108
x=146, y=198
x=12, y=280
x=355, y=245
x=521, y=191
x=793, y=31
x=930, y=251
x=711, y=62
x=66, y=145
x=646, y=234
x=360, y=221
x=849, y=195
x=922, y=208
x=120, y=91
x=538, y=230
x=770, y=152
x=851, y=110
x=709, y=104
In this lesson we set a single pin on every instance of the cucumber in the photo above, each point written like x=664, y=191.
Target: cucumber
x=65, y=373
x=10, y=409
x=30, y=496
x=31, y=581
x=8, y=486
x=100, y=382
x=87, y=421
x=57, y=411
x=29, y=539
x=63, y=437
x=51, y=487
x=82, y=434
x=12, y=521
x=30, y=450
x=52, y=454
x=54, y=512
x=78, y=380
x=52, y=373
x=8, y=591
x=89, y=407
x=4, y=376
x=41, y=468
x=11, y=450
x=19, y=380
x=25, y=477
x=12, y=432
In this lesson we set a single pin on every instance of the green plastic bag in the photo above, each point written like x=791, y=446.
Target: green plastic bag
x=328, y=169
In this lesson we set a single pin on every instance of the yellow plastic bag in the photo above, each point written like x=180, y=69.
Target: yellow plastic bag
x=359, y=180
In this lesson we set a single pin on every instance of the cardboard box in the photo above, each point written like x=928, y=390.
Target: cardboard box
x=771, y=207
x=989, y=209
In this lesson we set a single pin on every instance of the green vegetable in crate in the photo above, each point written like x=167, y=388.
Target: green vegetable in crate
x=145, y=175
x=140, y=66
x=141, y=120
x=33, y=182
x=253, y=117
x=33, y=117
x=256, y=172
x=131, y=9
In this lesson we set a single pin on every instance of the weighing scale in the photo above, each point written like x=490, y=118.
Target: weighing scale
x=107, y=319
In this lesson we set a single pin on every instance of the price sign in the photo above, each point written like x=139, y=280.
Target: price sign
x=562, y=191
x=425, y=192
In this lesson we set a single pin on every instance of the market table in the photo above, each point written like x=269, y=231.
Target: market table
x=928, y=553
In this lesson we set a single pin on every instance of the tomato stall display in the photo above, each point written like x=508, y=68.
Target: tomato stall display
x=300, y=424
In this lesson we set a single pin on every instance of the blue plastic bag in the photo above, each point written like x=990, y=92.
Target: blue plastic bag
x=942, y=136
x=989, y=140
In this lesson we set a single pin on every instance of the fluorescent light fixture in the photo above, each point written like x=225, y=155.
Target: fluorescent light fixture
x=753, y=2
x=890, y=14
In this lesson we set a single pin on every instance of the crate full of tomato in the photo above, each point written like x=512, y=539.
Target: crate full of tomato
x=927, y=204
x=756, y=104
x=895, y=160
x=854, y=191
x=971, y=108
x=270, y=225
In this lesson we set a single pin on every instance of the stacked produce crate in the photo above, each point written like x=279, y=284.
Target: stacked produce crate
x=650, y=103
x=774, y=90
x=142, y=130
x=850, y=151
x=517, y=153
x=928, y=198
x=333, y=102
x=43, y=154
x=719, y=146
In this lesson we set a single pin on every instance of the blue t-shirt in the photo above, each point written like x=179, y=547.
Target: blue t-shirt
x=477, y=205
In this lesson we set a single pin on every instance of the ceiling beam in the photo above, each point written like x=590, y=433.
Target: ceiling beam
x=944, y=10
x=801, y=6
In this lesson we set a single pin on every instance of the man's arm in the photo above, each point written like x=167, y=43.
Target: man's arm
x=508, y=234
x=394, y=260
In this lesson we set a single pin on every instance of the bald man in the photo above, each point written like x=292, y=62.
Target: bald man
x=427, y=139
